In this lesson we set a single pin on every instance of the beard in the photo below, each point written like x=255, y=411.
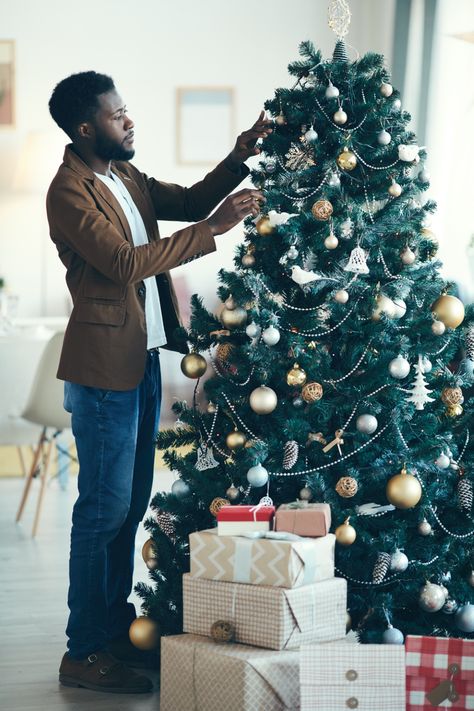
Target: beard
x=108, y=149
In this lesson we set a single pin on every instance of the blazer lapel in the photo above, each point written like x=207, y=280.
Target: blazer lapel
x=140, y=201
x=111, y=201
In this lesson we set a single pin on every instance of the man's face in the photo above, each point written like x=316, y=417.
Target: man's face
x=113, y=128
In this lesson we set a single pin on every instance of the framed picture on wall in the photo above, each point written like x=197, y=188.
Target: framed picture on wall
x=205, y=124
x=7, y=83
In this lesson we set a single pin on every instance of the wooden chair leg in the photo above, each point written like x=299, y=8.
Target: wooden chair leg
x=37, y=454
x=21, y=457
x=44, y=478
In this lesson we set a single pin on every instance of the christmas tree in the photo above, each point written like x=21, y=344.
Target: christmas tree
x=332, y=364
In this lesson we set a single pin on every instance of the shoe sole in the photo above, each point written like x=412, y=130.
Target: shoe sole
x=70, y=681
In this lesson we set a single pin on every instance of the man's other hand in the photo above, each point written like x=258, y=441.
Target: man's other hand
x=246, y=144
x=234, y=209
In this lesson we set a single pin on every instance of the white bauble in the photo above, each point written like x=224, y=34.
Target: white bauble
x=311, y=135
x=271, y=336
x=399, y=367
x=257, y=476
x=398, y=561
x=408, y=256
x=392, y=636
x=386, y=89
x=367, y=423
x=292, y=252
x=384, y=138
x=263, y=400
x=438, y=328
x=341, y=296
x=253, y=330
x=332, y=92
x=394, y=189
x=427, y=365
x=400, y=308
x=331, y=241
x=408, y=152
x=396, y=104
x=340, y=117
x=443, y=461
x=424, y=528
x=432, y=597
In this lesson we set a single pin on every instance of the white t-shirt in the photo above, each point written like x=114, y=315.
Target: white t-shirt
x=156, y=336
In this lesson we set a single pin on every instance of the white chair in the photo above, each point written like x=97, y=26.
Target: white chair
x=45, y=408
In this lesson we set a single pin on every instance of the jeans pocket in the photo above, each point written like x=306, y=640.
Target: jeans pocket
x=100, y=394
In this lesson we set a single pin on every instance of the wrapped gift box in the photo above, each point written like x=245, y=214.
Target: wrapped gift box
x=199, y=675
x=262, y=561
x=233, y=520
x=304, y=519
x=352, y=676
x=276, y=618
x=439, y=673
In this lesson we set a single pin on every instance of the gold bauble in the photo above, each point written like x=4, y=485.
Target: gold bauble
x=216, y=505
x=345, y=534
x=347, y=487
x=280, y=119
x=322, y=210
x=264, y=226
x=230, y=303
x=236, y=440
x=449, y=310
x=312, y=392
x=223, y=631
x=296, y=376
x=346, y=160
x=149, y=550
x=144, y=633
x=248, y=260
x=403, y=490
x=233, y=318
x=211, y=408
x=452, y=396
x=263, y=400
x=193, y=365
x=454, y=410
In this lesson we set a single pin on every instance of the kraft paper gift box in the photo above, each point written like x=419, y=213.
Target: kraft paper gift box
x=198, y=674
x=262, y=561
x=232, y=520
x=276, y=618
x=439, y=673
x=303, y=519
x=338, y=677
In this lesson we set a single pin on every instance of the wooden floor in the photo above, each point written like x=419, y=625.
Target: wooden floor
x=33, y=611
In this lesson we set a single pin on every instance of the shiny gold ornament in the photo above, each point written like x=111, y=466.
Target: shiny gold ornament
x=152, y=563
x=346, y=487
x=233, y=318
x=216, y=505
x=149, y=550
x=346, y=160
x=454, y=410
x=236, y=439
x=280, y=119
x=223, y=631
x=296, y=376
x=312, y=392
x=345, y=533
x=263, y=400
x=322, y=210
x=248, y=260
x=403, y=490
x=449, y=310
x=144, y=633
x=193, y=365
x=264, y=226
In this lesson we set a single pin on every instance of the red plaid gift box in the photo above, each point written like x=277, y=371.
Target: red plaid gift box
x=440, y=673
x=234, y=520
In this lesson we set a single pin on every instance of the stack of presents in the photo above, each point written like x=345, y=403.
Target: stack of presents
x=264, y=623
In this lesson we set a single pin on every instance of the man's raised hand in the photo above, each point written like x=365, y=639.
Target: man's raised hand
x=234, y=209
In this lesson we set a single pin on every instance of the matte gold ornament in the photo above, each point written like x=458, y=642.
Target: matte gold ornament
x=322, y=210
x=263, y=400
x=345, y=533
x=144, y=633
x=341, y=296
x=346, y=487
x=449, y=310
x=236, y=440
x=223, y=631
x=233, y=318
x=264, y=227
x=403, y=490
x=438, y=328
x=193, y=365
x=152, y=563
x=149, y=550
x=312, y=392
x=340, y=117
x=232, y=493
x=454, y=411
x=216, y=505
x=296, y=376
x=347, y=160
x=395, y=190
x=248, y=260
x=280, y=119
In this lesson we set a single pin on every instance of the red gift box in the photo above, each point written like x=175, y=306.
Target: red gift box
x=240, y=519
x=440, y=671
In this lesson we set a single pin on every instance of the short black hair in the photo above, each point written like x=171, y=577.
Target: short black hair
x=74, y=99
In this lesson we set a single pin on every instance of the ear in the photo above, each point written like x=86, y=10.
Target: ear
x=85, y=130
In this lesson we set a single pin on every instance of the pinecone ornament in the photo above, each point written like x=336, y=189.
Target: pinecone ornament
x=382, y=564
x=469, y=342
x=290, y=454
x=166, y=524
x=465, y=494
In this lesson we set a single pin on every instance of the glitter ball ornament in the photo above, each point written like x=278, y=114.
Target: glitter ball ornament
x=345, y=534
x=180, y=489
x=424, y=528
x=340, y=117
x=367, y=424
x=392, y=636
x=400, y=308
x=341, y=296
x=257, y=476
x=306, y=494
x=332, y=92
x=263, y=400
x=322, y=210
x=271, y=336
x=408, y=256
x=264, y=227
x=464, y=619
x=386, y=89
x=398, y=561
x=399, y=367
x=346, y=487
x=296, y=376
x=270, y=165
x=253, y=330
x=236, y=440
x=394, y=189
x=403, y=490
x=233, y=318
x=384, y=138
x=442, y=461
x=216, y=505
x=311, y=135
x=232, y=493
x=312, y=392
x=432, y=597
x=383, y=305
x=449, y=310
x=144, y=633
x=290, y=454
x=331, y=241
x=438, y=328
x=222, y=631
x=193, y=365
x=248, y=260
x=346, y=160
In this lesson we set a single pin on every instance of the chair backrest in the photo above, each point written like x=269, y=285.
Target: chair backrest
x=45, y=402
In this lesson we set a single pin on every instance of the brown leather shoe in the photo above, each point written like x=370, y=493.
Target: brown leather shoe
x=102, y=672
x=122, y=649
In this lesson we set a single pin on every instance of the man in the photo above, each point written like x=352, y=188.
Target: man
x=102, y=214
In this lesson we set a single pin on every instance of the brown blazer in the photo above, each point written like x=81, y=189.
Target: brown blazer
x=105, y=340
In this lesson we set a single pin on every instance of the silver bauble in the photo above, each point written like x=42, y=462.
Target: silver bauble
x=232, y=493
x=306, y=494
x=399, y=367
x=424, y=177
x=346, y=228
x=271, y=336
x=450, y=606
x=367, y=423
x=257, y=476
x=432, y=597
x=311, y=135
x=446, y=577
x=398, y=561
x=400, y=308
x=408, y=256
x=340, y=117
x=292, y=252
x=384, y=138
x=442, y=461
x=263, y=400
x=396, y=104
x=464, y=619
x=298, y=403
x=341, y=296
x=438, y=328
x=424, y=528
x=180, y=489
x=270, y=165
x=332, y=92
x=253, y=330
x=392, y=636
x=386, y=89
x=427, y=365
x=470, y=580
x=334, y=181
x=331, y=241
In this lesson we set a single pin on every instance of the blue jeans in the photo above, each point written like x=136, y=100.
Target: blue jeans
x=114, y=433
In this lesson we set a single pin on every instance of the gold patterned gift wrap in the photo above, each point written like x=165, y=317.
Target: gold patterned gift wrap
x=261, y=561
x=265, y=616
x=199, y=675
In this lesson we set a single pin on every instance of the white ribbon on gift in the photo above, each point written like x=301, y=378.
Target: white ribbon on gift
x=243, y=557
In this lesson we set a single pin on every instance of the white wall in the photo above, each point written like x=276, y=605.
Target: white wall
x=150, y=47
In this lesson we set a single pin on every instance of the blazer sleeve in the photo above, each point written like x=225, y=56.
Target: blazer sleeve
x=76, y=223
x=174, y=202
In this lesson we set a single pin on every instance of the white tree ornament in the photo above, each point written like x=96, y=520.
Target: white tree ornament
x=419, y=392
